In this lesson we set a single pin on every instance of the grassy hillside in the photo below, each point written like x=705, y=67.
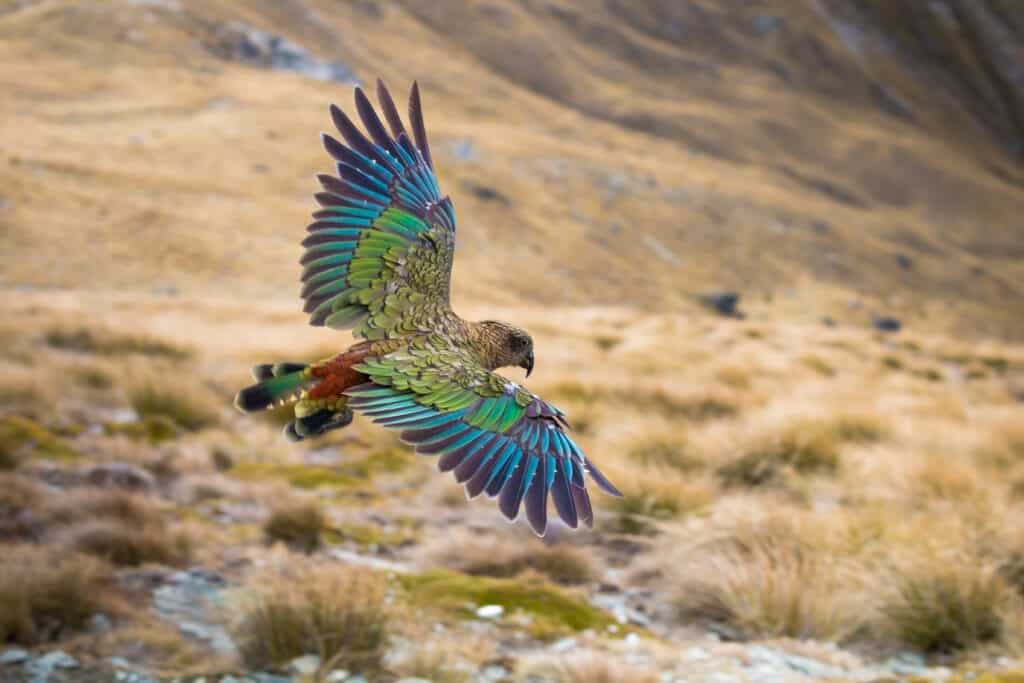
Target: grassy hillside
x=628, y=153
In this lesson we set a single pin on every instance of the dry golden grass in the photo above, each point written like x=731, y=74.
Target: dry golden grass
x=594, y=667
x=948, y=605
x=768, y=578
x=299, y=524
x=46, y=595
x=185, y=406
x=128, y=544
x=493, y=556
x=335, y=612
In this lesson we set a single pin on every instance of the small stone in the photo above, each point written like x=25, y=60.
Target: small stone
x=494, y=672
x=887, y=324
x=119, y=663
x=337, y=676
x=490, y=611
x=263, y=677
x=120, y=475
x=100, y=623
x=13, y=656
x=356, y=679
x=563, y=645
x=306, y=665
x=414, y=680
x=632, y=640
x=58, y=659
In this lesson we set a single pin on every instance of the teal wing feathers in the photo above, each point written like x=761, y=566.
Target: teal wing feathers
x=497, y=437
x=378, y=256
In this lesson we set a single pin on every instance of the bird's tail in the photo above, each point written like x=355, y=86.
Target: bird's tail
x=276, y=384
x=281, y=383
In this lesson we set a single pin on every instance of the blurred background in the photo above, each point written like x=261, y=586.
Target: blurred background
x=772, y=254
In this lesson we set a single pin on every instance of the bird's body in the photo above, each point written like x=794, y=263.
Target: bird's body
x=378, y=261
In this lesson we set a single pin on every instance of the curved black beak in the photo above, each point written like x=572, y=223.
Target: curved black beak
x=527, y=364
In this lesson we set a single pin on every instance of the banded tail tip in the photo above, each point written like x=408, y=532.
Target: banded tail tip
x=254, y=399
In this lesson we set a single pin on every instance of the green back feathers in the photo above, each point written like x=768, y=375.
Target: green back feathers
x=379, y=253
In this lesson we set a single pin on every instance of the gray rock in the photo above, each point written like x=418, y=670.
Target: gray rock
x=356, y=679
x=100, y=623
x=723, y=303
x=306, y=665
x=58, y=659
x=414, y=680
x=337, y=676
x=494, y=672
x=120, y=475
x=119, y=663
x=261, y=677
x=463, y=150
x=490, y=611
x=13, y=656
x=885, y=323
x=250, y=45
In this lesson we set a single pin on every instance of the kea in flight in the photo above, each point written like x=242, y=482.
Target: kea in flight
x=378, y=261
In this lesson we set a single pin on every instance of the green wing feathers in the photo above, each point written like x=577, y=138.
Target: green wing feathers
x=379, y=253
x=495, y=436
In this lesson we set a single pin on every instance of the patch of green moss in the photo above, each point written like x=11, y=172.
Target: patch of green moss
x=928, y=374
x=367, y=535
x=20, y=437
x=153, y=429
x=992, y=677
x=300, y=476
x=892, y=362
x=996, y=363
x=553, y=611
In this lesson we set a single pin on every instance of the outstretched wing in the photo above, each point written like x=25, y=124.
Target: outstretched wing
x=496, y=436
x=379, y=253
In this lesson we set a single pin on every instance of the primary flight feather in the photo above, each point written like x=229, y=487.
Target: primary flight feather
x=378, y=260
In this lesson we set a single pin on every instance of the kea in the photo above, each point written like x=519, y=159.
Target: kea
x=378, y=261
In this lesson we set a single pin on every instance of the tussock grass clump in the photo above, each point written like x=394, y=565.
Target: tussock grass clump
x=768, y=580
x=695, y=408
x=561, y=563
x=819, y=365
x=44, y=595
x=21, y=438
x=188, y=409
x=335, y=612
x=944, y=607
x=675, y=453
x=806, y=446
x=85, y=340
x=128, y=545
x=120, y=527
x=298, y=524
x=593, y=667
x=19, y=499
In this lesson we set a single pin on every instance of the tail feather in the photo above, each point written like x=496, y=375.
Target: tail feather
x=267, y=392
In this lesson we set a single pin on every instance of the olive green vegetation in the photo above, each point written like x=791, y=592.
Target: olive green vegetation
x=153, y=429
x=343, y=475
x=553, y=610
x=298, y=475
x=21, y=437
x=84, y=340
x=372, y=535
x=186, y=408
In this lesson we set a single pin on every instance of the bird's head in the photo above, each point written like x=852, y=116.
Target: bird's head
x=503, y=345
